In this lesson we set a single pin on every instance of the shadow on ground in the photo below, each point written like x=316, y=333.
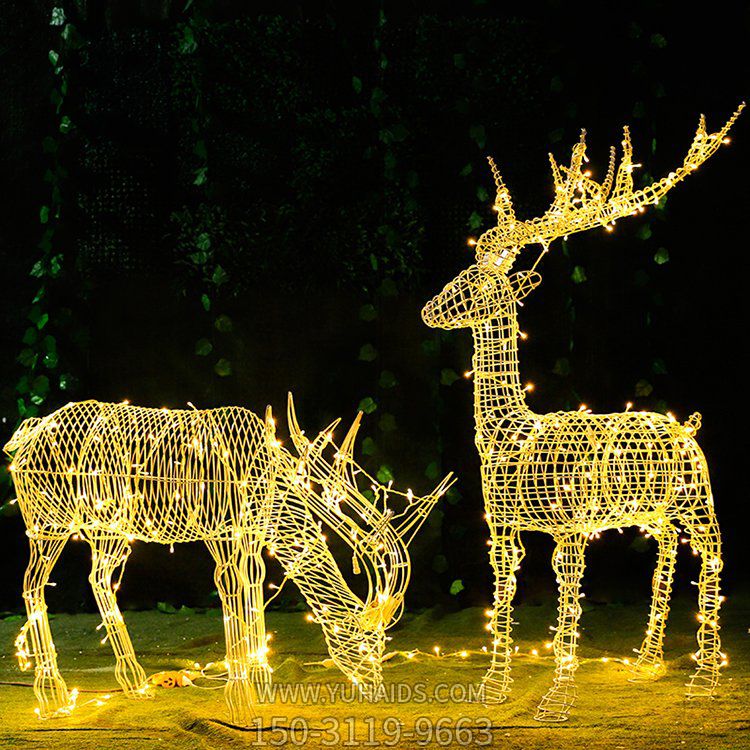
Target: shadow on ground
x=611, y=712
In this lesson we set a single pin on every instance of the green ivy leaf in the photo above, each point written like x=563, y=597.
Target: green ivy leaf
x=203, y=242
x=37, y=317
x=658, y=41
x=165, y=608
x=440, y=564
x=387, y=379
x=368, y=353
x=430, y=347
x=357, y=85
x=219, y=276
x=659, y=367
x=456, y=587
x=562, y=367
x=54, y=58
x=387, y=423
x=661, y=256
x=55, y=265
x=448, y=376
x=388, y=288
x=369, y=447
x=432, y=471
x=199, y=149
x=203, y=347
x=368, y=312
x=30, y=336
x=58, y=17
x=199, y=258
x=368, y=405
x=223, y=324
x=206, y=302
x=578, y=275
x=475, y=220
x=67, y=381
x=643, y=388
x=65, y=124
x=466, y=171
x=223, y=368
x=384, y=474
x=39, y=389
x=27, y=358
x=201, y=175
x=644, y=232
x=478, y=134
x=44, y=214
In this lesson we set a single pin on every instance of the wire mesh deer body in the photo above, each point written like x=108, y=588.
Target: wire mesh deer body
x=115, y=474
x=574, y=474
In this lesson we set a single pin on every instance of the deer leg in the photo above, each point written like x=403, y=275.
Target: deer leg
x=506, y=554
x=254, y=568
x=108, y=554
x=650, y=662
x=568, y=563
x=706, y=540
x=242, y=626
x=49, y=687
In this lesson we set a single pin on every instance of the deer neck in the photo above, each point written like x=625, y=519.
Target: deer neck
x=498, y=394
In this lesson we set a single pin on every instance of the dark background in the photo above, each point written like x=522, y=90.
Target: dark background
x=310, y=173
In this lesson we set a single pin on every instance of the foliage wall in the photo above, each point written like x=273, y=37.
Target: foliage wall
x=217, y=205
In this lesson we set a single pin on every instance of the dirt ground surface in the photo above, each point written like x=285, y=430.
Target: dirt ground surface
x=426, y=699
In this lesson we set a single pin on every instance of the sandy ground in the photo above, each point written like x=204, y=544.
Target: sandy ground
x=611, y=712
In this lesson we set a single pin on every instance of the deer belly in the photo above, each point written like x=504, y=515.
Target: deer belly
x=580, y=490
x=169, y=510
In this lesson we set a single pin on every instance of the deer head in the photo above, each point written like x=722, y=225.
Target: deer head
x=325, y=479
x=487, y=287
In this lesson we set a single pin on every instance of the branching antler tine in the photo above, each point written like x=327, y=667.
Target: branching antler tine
x=606, y=186
x=347, y=447
x=346, y=453
x=624, y=179
x=270, y=424
x=557, y=177
x=317, y=445
x=503, y=202
x=301, y=443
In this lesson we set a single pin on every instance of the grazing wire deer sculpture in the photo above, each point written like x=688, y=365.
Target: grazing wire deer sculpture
x=574, y=474
x=115, y=474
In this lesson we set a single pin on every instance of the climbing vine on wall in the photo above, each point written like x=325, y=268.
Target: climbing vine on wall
x=198, y=224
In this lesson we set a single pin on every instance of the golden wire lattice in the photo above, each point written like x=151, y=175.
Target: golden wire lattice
x=114, y=474
x=575, y=474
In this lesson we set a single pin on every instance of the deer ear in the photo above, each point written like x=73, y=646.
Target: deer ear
x=522, y=282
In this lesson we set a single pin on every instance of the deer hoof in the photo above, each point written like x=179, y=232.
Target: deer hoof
x=702, y=683
x=557, y=703
x=240, y=697
x=646, y=671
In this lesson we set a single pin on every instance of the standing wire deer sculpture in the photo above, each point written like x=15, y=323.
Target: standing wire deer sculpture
x=113, y=474
x=575, y=474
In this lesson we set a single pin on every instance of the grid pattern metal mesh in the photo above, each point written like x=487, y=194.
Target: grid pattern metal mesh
x=575, y=474
x=114, y=474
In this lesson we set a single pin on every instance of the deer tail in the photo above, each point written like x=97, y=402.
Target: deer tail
x=26, y=430
x=693, y=422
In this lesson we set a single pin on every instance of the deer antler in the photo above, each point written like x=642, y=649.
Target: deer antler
x=581, y=203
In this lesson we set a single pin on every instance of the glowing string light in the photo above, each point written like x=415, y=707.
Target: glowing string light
x=575, y=474
x=112, y=474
